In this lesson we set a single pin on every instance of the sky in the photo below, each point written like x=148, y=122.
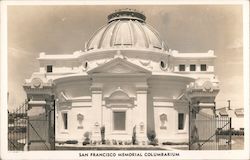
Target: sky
x=186, y=28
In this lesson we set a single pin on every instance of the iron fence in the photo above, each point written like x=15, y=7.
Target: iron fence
x=209, y=132
x=17, y=127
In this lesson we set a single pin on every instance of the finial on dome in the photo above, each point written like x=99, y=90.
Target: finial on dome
x=126, y=13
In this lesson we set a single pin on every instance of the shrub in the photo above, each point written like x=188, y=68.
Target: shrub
x=103, y=134
x=120, y=142
x=60, y=142
x=108, y=142
x=143, y=142
x=129, y=142
x=114, y=142
x=87, y=139
x=85, y=143
x=71, y=142
x=154, y=142
x=134, y=136
x=227, y=132
x=151, y=137
x=175, y=143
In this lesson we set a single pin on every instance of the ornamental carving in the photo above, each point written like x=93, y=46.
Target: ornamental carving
x=145, y=62
x=101, y=62
x=119, y=98
x=80, y=118
x=141, y=127
x=207, y=86
x=37, y=83
x=163, y=119
x=97, y=127
x=121, y=69
x=119, y=55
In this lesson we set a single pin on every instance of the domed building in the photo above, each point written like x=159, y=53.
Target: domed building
x=127, y=81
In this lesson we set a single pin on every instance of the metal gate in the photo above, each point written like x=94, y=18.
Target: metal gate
x=17, y=127
x=31, y=132
x=41, y=130
x=209, y=132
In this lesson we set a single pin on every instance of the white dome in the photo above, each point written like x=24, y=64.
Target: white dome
x=126, y=29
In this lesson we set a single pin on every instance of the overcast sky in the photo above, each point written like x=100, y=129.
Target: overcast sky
x=186, y=28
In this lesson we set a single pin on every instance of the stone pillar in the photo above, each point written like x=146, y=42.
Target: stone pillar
x=40, y=93
x=97, y=111
x=141, y=114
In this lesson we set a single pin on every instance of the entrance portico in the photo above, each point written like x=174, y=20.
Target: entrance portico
x=122, y=89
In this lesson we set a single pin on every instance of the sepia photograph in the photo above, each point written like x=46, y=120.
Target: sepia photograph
x=125, y=80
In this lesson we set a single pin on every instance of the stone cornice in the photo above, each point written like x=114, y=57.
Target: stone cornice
x=203, y=94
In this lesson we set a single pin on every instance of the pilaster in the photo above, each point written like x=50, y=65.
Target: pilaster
x=96, y=90
x=141, y=112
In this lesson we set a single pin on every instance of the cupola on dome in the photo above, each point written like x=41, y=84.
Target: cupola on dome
x=126, y=28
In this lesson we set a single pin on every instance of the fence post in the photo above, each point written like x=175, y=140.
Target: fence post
x=230, y=133
x=189, y=126
x=28, y=127
x=27, y=134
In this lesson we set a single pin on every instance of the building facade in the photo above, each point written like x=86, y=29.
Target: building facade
x=125, y=79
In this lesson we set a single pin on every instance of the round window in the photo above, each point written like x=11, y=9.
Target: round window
x=163, y=64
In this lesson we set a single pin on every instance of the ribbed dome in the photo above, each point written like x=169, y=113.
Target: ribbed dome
x=126, y=29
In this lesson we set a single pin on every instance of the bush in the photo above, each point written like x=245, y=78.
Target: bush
x=151, y=135
x=227, y=132
x=241, y=132
x=103, y=134
x=60, y=142
x=175, y=143
x=84, y=143
x=108, y=142
x=120, y=142
x=152, y=139
x=71, y=142
x=114, y=142
x=134, y=141
x=154, y=142
x=87, y=139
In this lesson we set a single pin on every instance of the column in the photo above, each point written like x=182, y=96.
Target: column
x=141, y=113
x=96, y=90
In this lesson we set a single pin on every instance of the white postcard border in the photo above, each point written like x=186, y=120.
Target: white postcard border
x=233, y=154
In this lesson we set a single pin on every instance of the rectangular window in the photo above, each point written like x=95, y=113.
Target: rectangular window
x=49, y=68
x=119, y=121
x=181, y=67
x=203, y=67
x=181, y=121
x=65, y=120
x=192, y=67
